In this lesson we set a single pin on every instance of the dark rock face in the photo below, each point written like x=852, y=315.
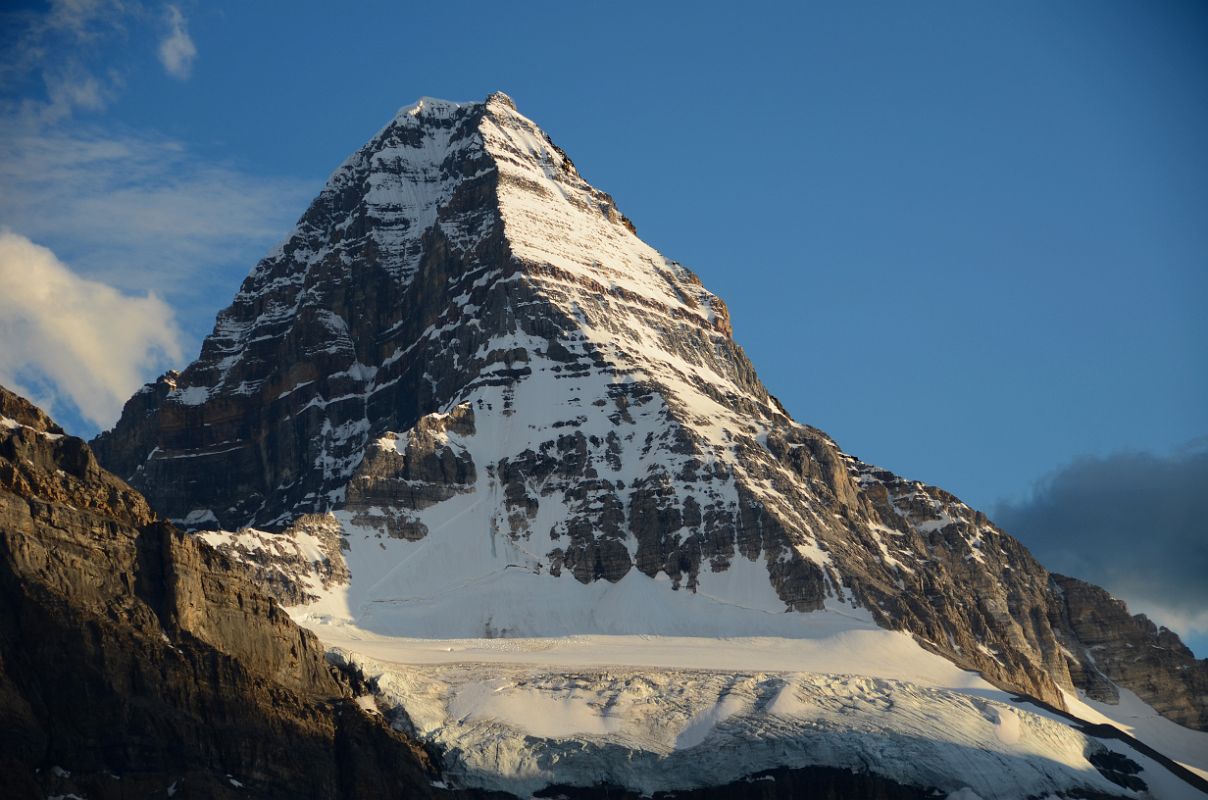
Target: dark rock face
x=779, y=784
x=275, y=414
x=1132, y=652
x=456, y=274
x=400, y=477
x=134, y=658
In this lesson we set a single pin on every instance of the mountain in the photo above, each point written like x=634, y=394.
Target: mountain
x=463, y=400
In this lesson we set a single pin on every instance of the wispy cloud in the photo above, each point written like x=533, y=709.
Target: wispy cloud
x=130, y=210
x=57, y=48
x=1132, y=522
x=82, y=18
x=138, y=210
x=177, y=51
x=85, y=341
x=70, y=87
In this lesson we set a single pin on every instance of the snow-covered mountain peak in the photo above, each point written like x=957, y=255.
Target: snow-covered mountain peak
x=430, y=107
x=467, y=380
x=500, y=99
x=572, y=231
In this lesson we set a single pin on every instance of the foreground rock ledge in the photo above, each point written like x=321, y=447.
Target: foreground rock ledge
x=134, y=658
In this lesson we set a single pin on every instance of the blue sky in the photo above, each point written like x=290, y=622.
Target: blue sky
x=969, y=241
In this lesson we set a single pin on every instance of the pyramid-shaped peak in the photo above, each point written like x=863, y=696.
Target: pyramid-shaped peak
x=518, y=418
x=459, y=237
x=464, y=169
x=502, y=99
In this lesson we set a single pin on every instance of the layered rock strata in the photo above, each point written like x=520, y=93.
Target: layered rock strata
x=136, y=661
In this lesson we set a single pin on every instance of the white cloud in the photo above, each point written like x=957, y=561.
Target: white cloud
x=91, y=342
x=70, y=87
x=177, y=51
x=142, y=212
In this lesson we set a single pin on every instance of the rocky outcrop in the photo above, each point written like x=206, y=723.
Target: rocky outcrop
x=606, y=425
x=293, y=567
x=365, y=320
x=408, y=472
x=1122, y=649
x=135, y=660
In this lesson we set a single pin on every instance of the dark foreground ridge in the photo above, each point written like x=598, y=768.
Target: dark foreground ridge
x=134, y=658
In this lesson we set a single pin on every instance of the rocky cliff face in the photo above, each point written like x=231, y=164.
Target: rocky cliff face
x=1130, y=651
x=464, y=346
x=135, y=660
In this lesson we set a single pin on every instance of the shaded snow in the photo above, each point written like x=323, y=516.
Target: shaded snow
x=1134, y=716
x=11, y=424
x=654, y=713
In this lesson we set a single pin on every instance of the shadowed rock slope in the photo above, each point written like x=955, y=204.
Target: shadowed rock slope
x=134, y=658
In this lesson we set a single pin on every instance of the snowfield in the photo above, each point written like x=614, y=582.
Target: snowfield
x=656, y=713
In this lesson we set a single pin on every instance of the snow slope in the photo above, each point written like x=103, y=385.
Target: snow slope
x=1138, y=719
x=661, y=713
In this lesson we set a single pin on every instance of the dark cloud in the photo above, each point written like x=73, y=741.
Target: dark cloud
x=1135, y=523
